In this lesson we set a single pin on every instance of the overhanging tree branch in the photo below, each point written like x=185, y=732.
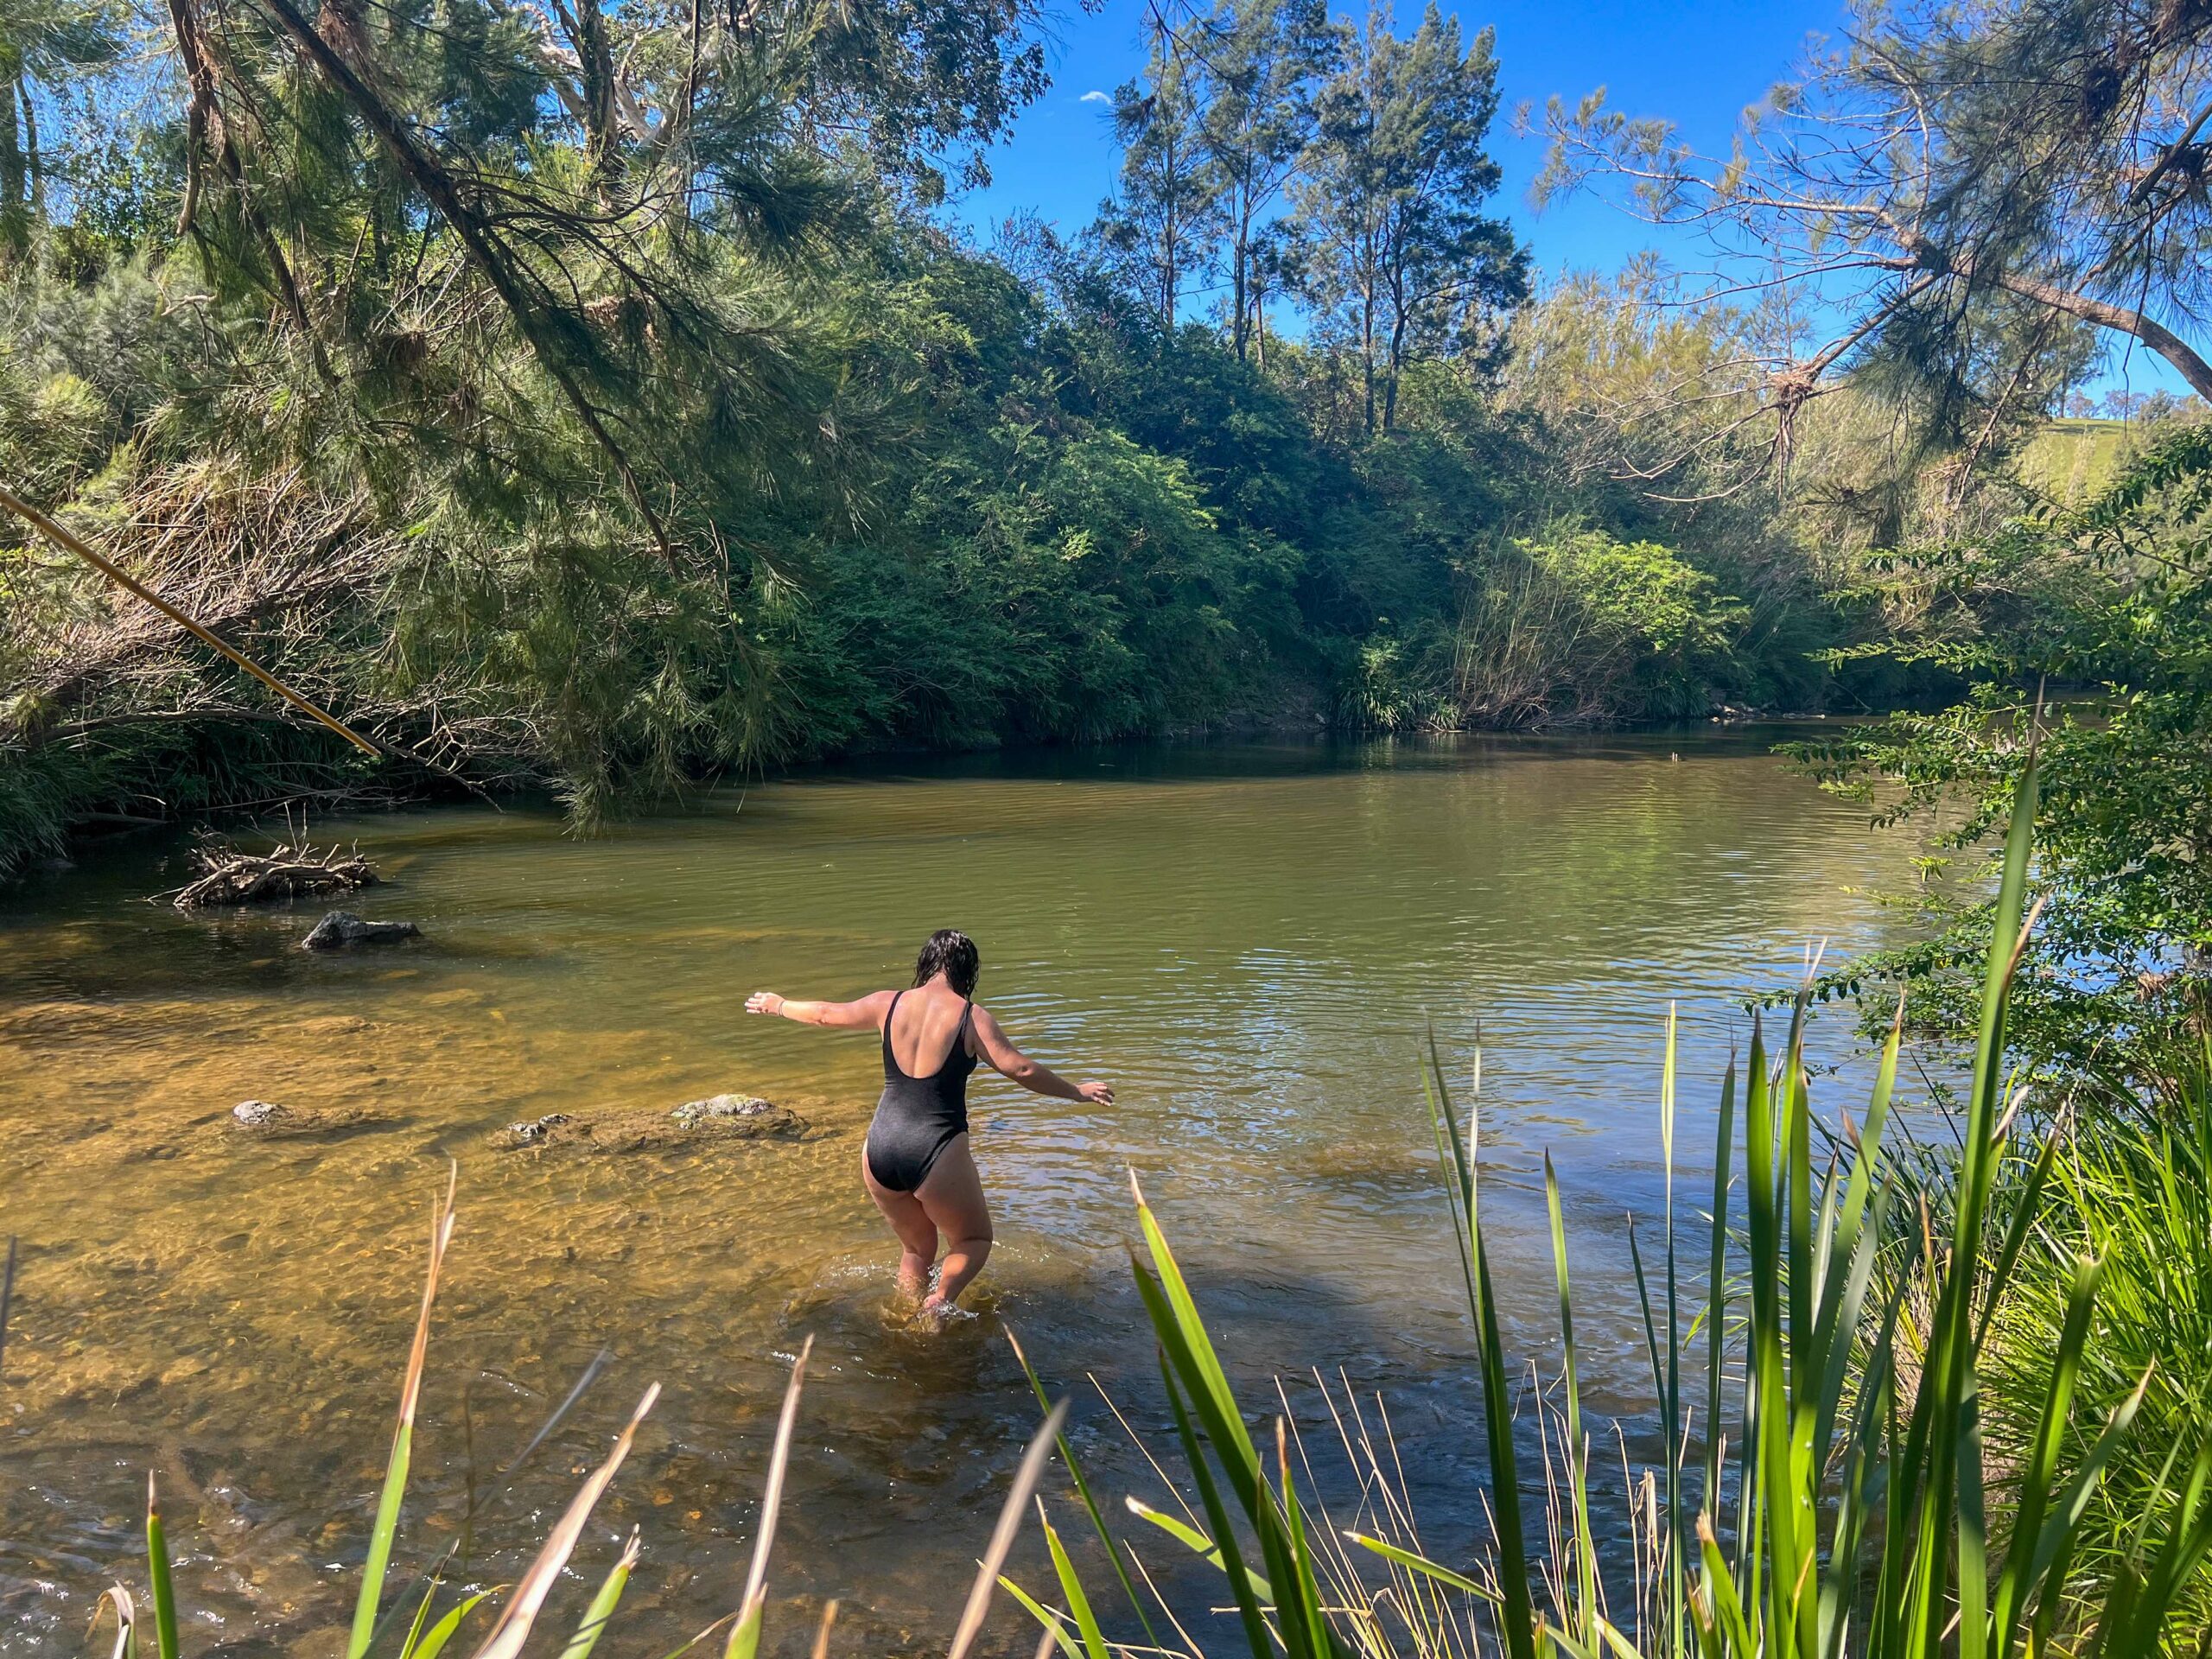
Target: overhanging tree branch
x=122, y=578
x=2186, y=360
x=498, y=265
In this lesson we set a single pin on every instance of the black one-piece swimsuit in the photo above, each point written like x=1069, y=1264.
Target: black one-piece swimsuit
x=918, y=1117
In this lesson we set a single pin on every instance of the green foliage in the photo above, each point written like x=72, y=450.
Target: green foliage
x=1975, y=192
x=2108, y=603
x=2131, y=1189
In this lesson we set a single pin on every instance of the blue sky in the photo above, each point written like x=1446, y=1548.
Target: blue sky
x=1700, y=64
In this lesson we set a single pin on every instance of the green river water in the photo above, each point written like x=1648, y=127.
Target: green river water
x=1247, y=941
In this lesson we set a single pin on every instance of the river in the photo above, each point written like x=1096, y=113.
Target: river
x=1248, y=941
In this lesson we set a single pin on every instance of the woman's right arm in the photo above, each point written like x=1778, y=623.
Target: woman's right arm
x=866, y=1014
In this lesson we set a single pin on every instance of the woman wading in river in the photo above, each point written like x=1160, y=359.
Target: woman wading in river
x=917, y=1164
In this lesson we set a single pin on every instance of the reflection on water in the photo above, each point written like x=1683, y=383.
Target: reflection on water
x=1248, y=943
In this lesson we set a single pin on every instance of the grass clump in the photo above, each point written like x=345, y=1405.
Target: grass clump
x=2131, y=1191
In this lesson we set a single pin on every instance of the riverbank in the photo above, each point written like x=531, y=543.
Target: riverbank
x=43, y=827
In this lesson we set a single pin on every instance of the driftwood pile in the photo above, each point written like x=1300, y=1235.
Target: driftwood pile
x=292, y=870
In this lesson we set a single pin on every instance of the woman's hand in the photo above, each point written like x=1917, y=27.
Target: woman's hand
x=1097, y=1093
x=764, y=1002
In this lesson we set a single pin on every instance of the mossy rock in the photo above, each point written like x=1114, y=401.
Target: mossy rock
x=717, y=1117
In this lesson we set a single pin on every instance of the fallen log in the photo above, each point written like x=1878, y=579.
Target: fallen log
x=290, y=871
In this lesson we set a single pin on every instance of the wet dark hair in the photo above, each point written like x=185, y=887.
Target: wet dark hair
x=952, y=953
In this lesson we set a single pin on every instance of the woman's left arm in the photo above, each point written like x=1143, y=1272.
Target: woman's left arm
x=1015, y=1066
x=866, y=1014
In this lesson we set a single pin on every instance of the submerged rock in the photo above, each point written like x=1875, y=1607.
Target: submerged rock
x=745, y=1117
x=341, y=930
x=270, y=1119
x=553, y=1128
x=747, y=1114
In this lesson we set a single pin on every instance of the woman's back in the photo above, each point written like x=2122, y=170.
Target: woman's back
x=926, y=1030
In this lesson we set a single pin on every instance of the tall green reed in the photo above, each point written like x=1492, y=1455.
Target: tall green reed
x=2132, y=1186
x=1855, y=1517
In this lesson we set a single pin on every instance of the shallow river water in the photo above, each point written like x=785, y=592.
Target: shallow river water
x=1246, y=941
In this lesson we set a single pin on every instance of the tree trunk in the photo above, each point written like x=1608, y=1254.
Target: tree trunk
x=14, y=207
x=1395, y=362
x=596, y=55
x=1240, y=280
x=1367, y=352
x=36, y=164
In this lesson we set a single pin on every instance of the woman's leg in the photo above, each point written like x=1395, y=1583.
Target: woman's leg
x=916, y=1232
x=952, y=1198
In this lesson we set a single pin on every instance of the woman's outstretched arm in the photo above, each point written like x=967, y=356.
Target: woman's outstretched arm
x=863, y=1015
x=1015, y=1066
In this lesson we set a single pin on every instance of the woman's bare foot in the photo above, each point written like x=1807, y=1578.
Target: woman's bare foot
x=936, y=1312
x=913, y=1282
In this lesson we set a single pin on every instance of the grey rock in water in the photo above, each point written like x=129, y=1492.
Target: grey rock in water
x=268, y=1120
x=742, y=1118
x=535, y=1131
x=341, y=930
x=743, y=1115
x=692, y=1113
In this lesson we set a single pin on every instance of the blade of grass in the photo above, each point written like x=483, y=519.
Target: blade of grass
x=1586, y=1553
x=1264, y=1594
x=1426, y=1568
x=745, y=1635
x=7, y=1302
x=1720, y=1589
x=1671, y=1393
x=1093, y=1639
x=600, y=1362
x=1009, y=1522
x=1519, y=1617
x=445, y=1629
x=1716, y=1318
x=1210, y=1395
x=1055, y=1624
x=521, y=1611
x=1177, y=1529
x=157, y=1564
x=2014, y=1588
x=1082, y=1491
x=2184, y=1550
x=387, y=1526
x=1240, y=1584
x=126, y=1619
x=1319, y=1638
x=603, y=1603
x=437, y=1578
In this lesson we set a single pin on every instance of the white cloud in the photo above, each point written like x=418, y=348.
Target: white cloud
x=1094, y=96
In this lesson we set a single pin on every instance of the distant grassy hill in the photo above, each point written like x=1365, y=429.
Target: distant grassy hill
x=2071, y=458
